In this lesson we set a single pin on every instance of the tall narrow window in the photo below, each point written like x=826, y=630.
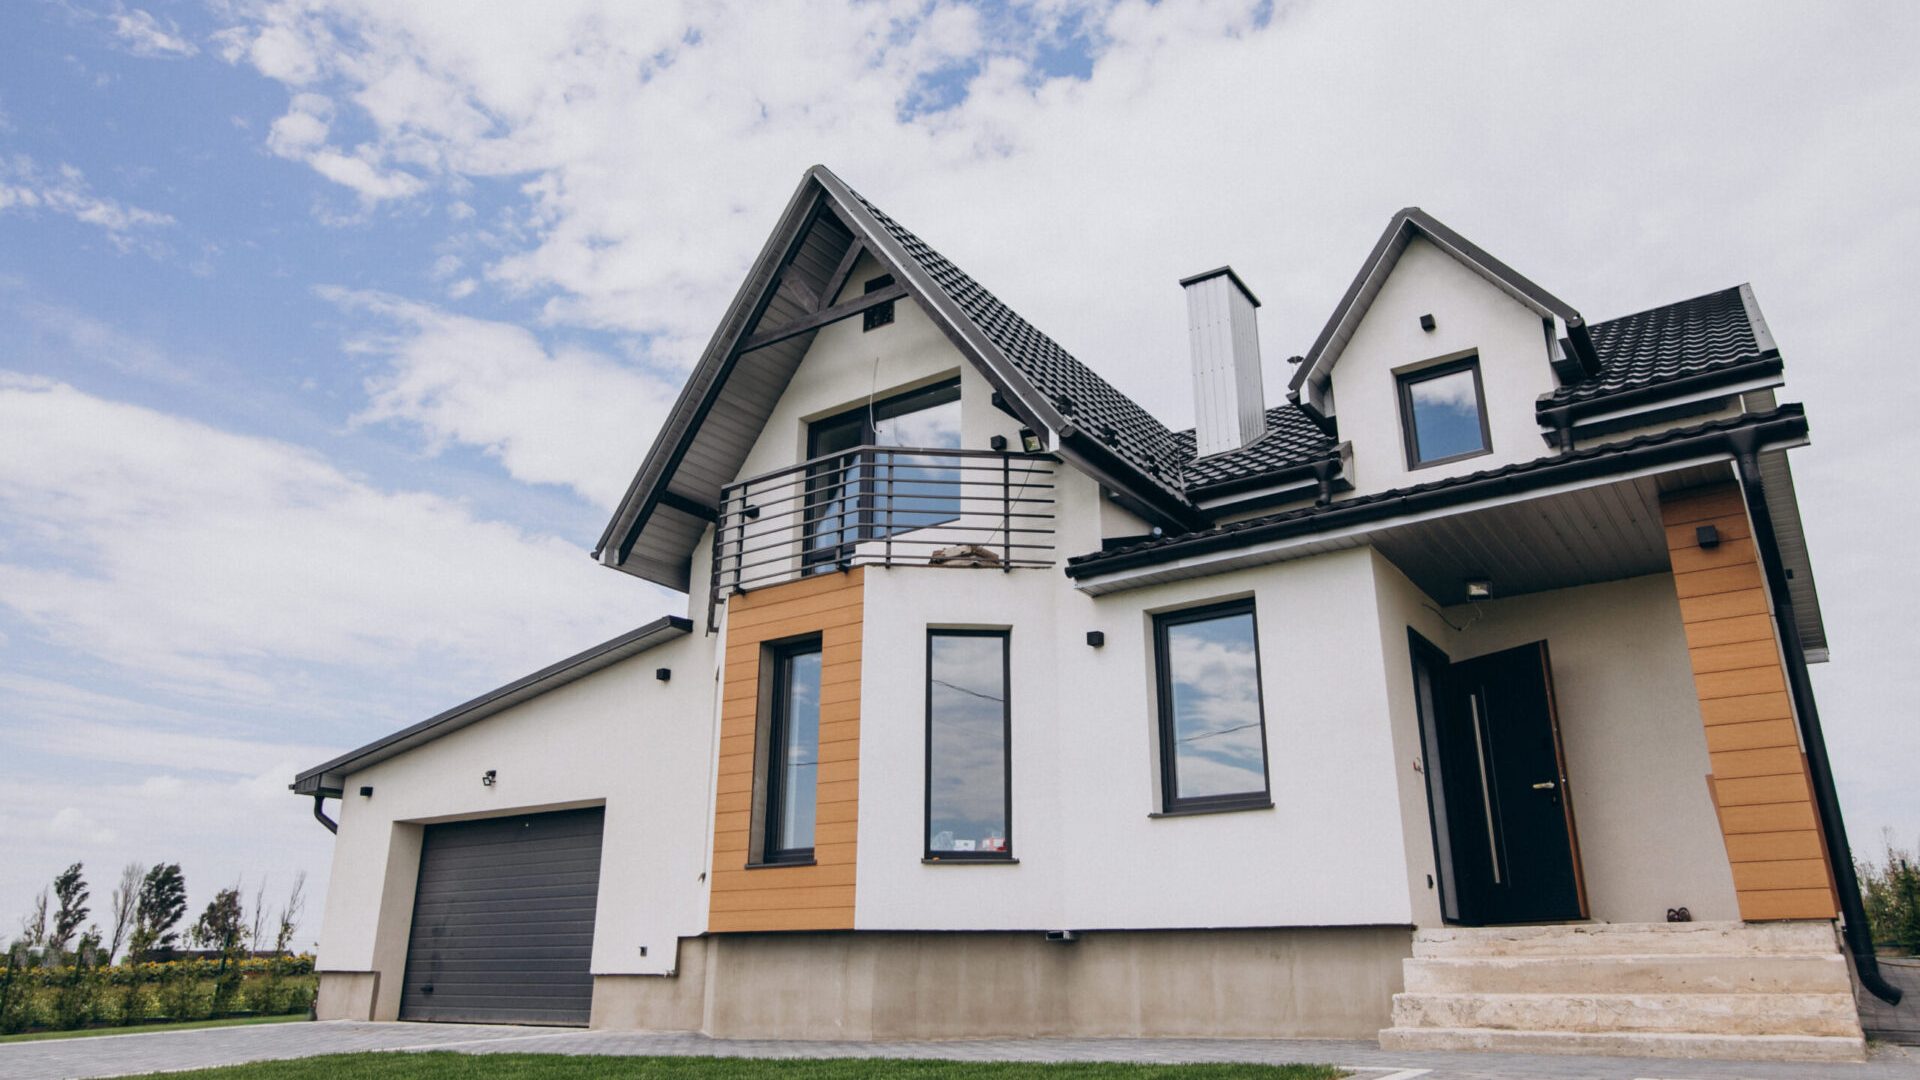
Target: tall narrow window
x=868, y=496
x=1444, y=413
x=1213, y=741
x=969, y=803
x=793, y=753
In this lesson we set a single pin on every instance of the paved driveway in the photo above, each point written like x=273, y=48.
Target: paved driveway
x=119, y=1055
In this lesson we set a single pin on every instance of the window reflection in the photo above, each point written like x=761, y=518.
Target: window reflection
x=1212, y=739
x=795, y=763
x=967, y=732
x=851, y=499
x=1444, y=413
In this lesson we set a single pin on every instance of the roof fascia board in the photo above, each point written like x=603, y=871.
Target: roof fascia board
x=552, y=677
x=697, y=396
x=1728, y=390
x=1380, y=263
x=1762, y=336
x=1777, y=432
x=1730, y=379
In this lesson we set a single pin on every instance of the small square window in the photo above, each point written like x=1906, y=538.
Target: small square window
x=1443, y=412
x=878, y=315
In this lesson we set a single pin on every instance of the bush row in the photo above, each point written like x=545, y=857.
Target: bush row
x=79, y=996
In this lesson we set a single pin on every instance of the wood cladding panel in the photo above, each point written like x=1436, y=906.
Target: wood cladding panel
x=1760, y=784
x=818, y=896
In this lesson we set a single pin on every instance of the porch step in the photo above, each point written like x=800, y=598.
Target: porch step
x=1631, y=939
x=1629, y=1044
x=1726, y=990
x=1649, y=974
x=1709, y=1014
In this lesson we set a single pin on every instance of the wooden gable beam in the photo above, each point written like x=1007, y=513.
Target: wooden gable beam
x=838, y=279
x=824, y=316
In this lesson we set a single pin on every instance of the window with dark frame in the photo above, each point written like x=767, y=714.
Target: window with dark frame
x=969, y=746
x=792, y=752
x=853, y=497
x=1443, y=413
x=1213, y=738
x=878, y=315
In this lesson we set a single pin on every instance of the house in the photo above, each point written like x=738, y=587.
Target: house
x=1461, y=697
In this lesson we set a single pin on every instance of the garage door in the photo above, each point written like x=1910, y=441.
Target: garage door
x=503, y=920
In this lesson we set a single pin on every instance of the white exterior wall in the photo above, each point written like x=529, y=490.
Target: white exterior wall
x=1470, y=314
x=619, y=737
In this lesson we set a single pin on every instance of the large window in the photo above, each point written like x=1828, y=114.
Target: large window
x=969, y=808
x=792, y=752
x=1444, y=413
x=1213, y=741
x=850, y=498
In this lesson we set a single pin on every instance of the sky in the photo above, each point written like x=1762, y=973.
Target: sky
x=330, y=332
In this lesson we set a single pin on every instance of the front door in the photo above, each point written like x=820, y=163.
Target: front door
x=1503, y=817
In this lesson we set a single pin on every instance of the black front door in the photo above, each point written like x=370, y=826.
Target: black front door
x=1502, y=816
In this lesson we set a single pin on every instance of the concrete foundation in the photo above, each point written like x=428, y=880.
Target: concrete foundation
x=1314, y=982
x=346, y=995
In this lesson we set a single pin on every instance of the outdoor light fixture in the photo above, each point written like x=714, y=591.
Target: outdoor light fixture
x=750, y=512
x=1096, y=638
x=1030, y=442
x=663, y=674
x=487, y=778
x=366, y=791
x=1426, y=322
x=998, y=442
x=1708, y=536
x=1479, y=588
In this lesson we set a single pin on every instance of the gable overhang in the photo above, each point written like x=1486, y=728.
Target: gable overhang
x=327, y=779
x=745, y=368
x=1315, y=371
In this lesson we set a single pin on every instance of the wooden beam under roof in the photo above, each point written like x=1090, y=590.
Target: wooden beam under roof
x=824, y=316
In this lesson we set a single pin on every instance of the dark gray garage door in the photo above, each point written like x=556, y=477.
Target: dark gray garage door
x=503, y=920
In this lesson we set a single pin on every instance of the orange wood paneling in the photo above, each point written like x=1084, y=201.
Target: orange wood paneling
x=820, y=896
x=1760, y=785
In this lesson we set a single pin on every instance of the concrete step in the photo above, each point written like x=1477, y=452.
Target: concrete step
x=1715, y=1014
x=1633, y=1044
x=1810, y=938
x=1650, y=974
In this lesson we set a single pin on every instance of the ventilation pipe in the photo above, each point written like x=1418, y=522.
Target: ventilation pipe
x=1229, y=404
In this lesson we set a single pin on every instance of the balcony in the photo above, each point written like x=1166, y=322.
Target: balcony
x=885, y=506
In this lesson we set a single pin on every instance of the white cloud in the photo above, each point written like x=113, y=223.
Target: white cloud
x=564, y=415
x=142, y=35
x=26, y=188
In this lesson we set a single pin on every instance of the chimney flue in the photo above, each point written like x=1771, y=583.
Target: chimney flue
x=1229, y=402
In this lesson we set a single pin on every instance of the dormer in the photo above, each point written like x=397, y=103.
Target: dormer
x=1435, y=358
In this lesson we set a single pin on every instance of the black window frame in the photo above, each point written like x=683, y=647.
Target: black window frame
x=1006, y=758
x=878, y=315
x=1171, y=801
x=1410, y=434
x=780, y=656
x=828, y=480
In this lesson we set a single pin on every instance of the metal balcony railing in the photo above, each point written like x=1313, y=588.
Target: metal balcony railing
x=886, y=506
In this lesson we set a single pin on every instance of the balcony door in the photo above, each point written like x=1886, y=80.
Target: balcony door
x=1496, y=782
x=855, y=495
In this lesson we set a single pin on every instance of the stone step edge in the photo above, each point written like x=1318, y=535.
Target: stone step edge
x=1638, y=957
x=1631, y=1043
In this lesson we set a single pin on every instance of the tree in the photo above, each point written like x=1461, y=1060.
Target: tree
x=126, y=901
x=223, y=925
x=257, y=924
x=162, y=904
x=290, y=914
x=33, y=928
x=71, y=889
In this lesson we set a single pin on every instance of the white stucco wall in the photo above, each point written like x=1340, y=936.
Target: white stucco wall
x=618, y=737
x=1470, y=314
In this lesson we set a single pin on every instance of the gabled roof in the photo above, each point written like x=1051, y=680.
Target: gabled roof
x=747, y=364
x=1406, y=225
x=1719, y=331
x=326, y=779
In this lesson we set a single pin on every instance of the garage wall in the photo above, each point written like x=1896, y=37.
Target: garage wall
x=619, y=737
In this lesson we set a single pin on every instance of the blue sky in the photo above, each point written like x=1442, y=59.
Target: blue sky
x=331, y=329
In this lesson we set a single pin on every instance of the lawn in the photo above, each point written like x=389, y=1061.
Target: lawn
x=140, y=1029
x=449, y=1066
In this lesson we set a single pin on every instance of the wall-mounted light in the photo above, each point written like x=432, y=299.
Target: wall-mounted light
x=1030, y=442
x=1479, y=588
x=750, y=512
x=1426, y=322
x=998, y=442
x=487, y=778
x=1708, y=536
x=366, y=791
x=1096, y=638
x=663, y=674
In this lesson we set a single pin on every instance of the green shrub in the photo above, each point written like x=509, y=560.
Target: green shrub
x=1891, y=895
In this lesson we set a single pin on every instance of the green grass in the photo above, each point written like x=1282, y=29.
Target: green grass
x=449, y=1066
x=135, y=1029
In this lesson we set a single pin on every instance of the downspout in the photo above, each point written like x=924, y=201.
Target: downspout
x=1858, y=934
x=320, y=814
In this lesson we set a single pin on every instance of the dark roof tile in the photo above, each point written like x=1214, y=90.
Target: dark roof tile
x=1705, y=333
